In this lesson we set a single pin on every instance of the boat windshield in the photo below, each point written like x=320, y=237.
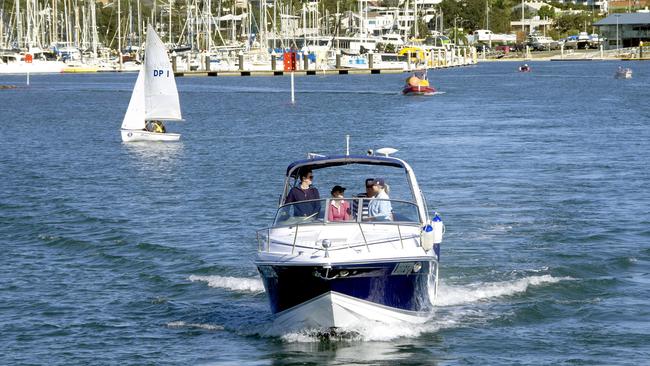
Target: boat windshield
x=359, y=209
x=353, y=177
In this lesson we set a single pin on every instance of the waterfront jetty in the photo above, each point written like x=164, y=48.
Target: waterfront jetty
x=415, y=58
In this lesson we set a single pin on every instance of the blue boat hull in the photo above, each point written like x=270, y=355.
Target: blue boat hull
x=400, y=285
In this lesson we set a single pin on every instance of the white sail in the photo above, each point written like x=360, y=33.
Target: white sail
x=160, y=93
x=135, y=114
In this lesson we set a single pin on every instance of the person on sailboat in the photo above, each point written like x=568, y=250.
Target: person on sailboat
x=155, y=126
x=159, y=127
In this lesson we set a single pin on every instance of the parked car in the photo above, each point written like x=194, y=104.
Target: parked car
x=480, y=47
x=505, y=48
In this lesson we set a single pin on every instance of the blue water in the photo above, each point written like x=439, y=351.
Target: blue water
x=142, y=253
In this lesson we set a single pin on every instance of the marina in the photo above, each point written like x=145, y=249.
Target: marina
x=138, y=253
x=324, y=182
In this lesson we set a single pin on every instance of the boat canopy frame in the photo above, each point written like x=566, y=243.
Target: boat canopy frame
x=320, y=162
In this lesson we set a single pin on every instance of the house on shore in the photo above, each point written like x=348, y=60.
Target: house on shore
x=625, y=29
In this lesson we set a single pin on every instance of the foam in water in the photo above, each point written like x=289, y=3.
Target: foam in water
x=449, y=317
x=448, y=296
x=231, y=283
x=457, y=295
x=182, y=324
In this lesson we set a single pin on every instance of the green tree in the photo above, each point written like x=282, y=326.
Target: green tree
x=546, y=12
x=569, y=24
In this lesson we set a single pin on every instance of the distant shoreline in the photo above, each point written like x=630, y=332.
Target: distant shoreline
x=569, y=55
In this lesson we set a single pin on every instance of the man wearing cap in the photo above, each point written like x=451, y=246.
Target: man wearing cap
x=379, y=208
x=339, y=209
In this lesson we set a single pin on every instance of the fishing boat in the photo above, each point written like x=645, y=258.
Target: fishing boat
x=154, y=97
x=325, y=272
x=623, y=73
x=524, y=68
x=417, y=84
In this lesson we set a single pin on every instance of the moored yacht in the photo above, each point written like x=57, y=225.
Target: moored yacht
x=322, y=270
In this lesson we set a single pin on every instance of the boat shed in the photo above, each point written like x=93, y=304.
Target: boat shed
x=628, y=28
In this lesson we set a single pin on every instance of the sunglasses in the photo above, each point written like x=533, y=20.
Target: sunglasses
x=310, y=177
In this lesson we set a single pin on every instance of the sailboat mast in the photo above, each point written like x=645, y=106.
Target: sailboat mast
x=196, y=25
x=415, y=18
x=76, y=24
x=54, y=36
x=139, y=31
x=119, y=32
x=209, y=28
x=28, y=16
x=84, y=27
x=19, y=25
x=170, y=21
x=93, y=25
x=2, y=26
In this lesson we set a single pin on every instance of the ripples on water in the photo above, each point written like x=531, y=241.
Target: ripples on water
x=142, y=253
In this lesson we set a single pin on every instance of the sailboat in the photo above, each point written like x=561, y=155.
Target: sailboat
x=154, y=98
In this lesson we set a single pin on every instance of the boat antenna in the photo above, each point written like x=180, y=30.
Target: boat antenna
x=347, y=145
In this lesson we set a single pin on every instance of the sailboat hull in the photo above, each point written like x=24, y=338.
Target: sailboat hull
x=140, y=135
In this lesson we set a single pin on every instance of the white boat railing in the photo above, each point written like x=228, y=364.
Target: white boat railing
x=311, y=213
x=264, y=240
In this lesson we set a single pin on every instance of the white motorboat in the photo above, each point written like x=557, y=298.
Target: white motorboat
x=12, y=62
x=154, y=97
x=623, y=73
x=322, y=274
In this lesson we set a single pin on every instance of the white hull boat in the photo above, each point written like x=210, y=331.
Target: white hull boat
x=324, y=272
x=14, y=63
x=140, y=135
x=337, y=310
x=623, y=73
x=154, y=97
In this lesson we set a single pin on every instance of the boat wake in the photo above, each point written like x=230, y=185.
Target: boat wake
x=450, y=310
x=251, y=285
x=449, y=295
x=182, y=324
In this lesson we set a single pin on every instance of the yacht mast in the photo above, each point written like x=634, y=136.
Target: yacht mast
x=28, y=16
x=93, y=27
x=2, y=26
x=415, y=19
x=139, y=31
x=55, y=22
x=209, y=26
x=19, y=25
x=170, y=21
x=119, y=32
x=76, y=24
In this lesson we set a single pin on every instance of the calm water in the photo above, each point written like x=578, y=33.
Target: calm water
x=142, y=254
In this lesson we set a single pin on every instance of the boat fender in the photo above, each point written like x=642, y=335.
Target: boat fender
x=426, y=237
x=438, y=229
